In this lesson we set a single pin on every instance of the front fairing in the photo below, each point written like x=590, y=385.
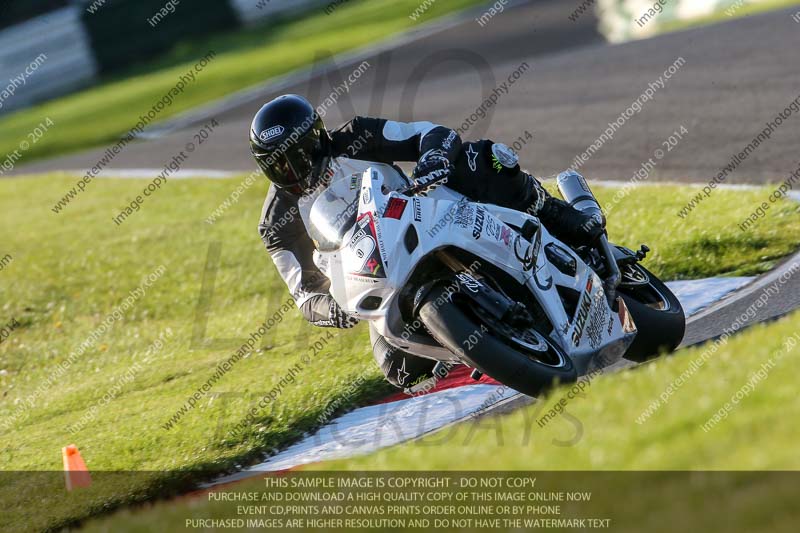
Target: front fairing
x=392, y=233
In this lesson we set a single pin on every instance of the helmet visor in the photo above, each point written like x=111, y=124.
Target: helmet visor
x=292, y=165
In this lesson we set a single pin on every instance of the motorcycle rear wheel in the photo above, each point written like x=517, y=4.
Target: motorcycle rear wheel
x=525, y=360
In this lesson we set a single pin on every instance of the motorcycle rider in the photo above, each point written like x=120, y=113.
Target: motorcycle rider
x=298, y=155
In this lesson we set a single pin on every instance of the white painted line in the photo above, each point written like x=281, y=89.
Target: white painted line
x=619, y=184
x=760, y=282
x=368, y=429
x=698, y=294
x=140, y=173
x=188, y=173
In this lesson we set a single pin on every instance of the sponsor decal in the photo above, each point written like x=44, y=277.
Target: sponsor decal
x=465, y=215
x=472, y=158
x=594, y=330
x=582, y=314
x=361, y=279
x=366, y=195
x=417, y=206
x=497, y=230
x=271, y=133
x=357, y=236
x=496, y=165
x=363, y=249
x=477, y=228
x=492, y=228
x=505, y=235
x=363, y=245
x=468, y=282
x=374, y=266
x=634, y=274
x=448, y=142
x=354, y=181
x=395, y=208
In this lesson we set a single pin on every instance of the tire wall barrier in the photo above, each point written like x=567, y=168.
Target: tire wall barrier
x=254, y=11
x=44, y=57
x=66, y=44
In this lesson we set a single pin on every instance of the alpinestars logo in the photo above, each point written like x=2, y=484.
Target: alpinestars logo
x=472, y=158
x=402, y=374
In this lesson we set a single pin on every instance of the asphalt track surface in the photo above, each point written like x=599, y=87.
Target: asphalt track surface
x=735, y=77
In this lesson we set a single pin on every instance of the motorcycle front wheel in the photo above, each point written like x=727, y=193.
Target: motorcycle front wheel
x=523, y=359
x=657, y=313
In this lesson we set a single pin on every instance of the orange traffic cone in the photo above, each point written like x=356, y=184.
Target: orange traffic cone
x=75, y=472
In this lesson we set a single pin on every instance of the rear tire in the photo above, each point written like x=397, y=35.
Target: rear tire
x=477, y=343
x=661, y=325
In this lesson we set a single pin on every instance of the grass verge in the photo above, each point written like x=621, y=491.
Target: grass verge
x=606, y=431
x=600, y=433
x=70, y=271
x=243, y=58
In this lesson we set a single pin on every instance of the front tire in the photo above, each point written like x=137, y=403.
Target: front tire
x=657, y=313
x=528, y=362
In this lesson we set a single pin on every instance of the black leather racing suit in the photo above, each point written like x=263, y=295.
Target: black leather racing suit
x=478, y=173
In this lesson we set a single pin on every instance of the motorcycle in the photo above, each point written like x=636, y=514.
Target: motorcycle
x=461, y=282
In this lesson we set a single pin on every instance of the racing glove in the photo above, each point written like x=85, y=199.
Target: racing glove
x=323, y=311
x=571, y=225
x=433, y=170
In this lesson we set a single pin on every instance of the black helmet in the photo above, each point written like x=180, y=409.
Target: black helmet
x=290, y=143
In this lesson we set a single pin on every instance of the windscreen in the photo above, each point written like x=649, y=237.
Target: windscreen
x=333, y=214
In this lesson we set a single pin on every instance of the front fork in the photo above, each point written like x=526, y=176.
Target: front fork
x=613, y=277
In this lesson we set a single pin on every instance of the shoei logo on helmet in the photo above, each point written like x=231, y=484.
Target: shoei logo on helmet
x=271, y=133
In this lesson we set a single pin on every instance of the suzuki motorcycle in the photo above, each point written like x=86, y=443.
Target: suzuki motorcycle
x=461, y=282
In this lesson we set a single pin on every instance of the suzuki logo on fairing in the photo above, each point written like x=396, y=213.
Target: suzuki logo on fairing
x=271, y=133
x=580, y=322
x=583, y=314
x=477, y=229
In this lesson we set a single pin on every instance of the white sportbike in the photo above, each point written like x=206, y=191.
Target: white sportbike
x=460, y=282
